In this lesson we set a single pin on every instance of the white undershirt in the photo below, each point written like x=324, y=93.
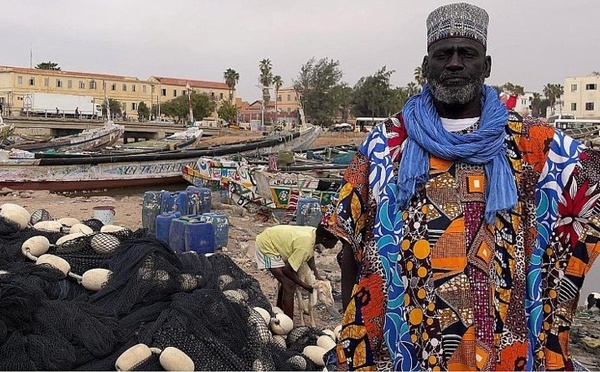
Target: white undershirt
x=456, y=125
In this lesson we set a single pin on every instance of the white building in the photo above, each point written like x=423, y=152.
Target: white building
x=582, y=97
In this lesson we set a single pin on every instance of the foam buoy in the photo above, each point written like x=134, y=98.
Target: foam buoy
x=63, y=239
x=133, y=357
x=279, y=340
x=173, y=359
x=281, y=324
x=264, y=314
x=95, y=279
x=277, y=310
x=56, y=262
x=112, y=228
x=49, y=226
x=329, y=333
x=338, y=332
x=325, y=342
x=315, y=354
x=81, y=228
x=36, y=246
x=15, y=213
x=104, y=243
x=68, y=221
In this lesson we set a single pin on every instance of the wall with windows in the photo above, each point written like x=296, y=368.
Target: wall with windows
x=582, y=96
x=15, y=82
x=288, y=101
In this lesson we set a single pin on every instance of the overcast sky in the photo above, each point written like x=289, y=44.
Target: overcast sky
x=531, y=42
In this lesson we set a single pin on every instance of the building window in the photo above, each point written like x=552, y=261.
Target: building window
x=279, y=98
x=20, y=80
x=113, y=86
x=31, y=81
x=590, y=87
x=289, y=109
x=124, y=108
x=295, y=98
x=574, y=106
x=134, y=106
x=589, y=106
x=174, y=92
x=70, y=84
x=93, y=84
x=573, y=87
x=212, y=95
x=124, y=87
x=163, y=92
x=289, y=97
x=46, y=82
x=220, y=95
x=144, y=88
x=58, y=83
x=133, y=87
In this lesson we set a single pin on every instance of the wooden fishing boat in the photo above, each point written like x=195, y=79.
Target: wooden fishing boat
x=23, y=170
x=87, y=140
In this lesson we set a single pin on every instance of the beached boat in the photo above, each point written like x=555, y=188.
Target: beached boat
x=5, y=129
x=64, y=172
x=87, y=140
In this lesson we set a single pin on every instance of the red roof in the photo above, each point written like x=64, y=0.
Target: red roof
x=193, y=83
x=25, y=70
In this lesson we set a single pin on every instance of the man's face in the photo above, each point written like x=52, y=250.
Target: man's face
x=455, y=69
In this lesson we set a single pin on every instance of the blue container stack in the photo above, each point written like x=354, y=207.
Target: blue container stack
x=163, y=225
x=177, y=233
x=150, y=209
x=309, y=212
x=221, y=226
x=200, y=237
x=183, y=219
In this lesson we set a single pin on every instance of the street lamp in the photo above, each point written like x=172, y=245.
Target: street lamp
x=262, y=87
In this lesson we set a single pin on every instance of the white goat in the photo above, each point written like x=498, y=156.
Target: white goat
x=321, y=291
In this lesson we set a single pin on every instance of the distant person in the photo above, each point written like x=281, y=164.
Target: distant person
x=124, y=115
x=57, y=112
x=1, y=108
x=467, y=229
x=282, y=249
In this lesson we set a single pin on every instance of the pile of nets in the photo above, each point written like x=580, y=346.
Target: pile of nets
x=127, y=301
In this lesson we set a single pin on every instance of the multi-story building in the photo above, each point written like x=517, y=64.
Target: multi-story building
x=582, y=97
x=16, y=82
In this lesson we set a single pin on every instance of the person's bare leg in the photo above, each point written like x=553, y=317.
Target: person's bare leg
x=288, y=288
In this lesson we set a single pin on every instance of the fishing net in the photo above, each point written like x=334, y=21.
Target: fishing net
x=202, y=305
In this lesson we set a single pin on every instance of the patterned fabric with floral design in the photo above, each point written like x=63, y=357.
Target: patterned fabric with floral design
x=440, y=289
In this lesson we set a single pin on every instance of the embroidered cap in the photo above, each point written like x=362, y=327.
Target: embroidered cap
x=457, y=20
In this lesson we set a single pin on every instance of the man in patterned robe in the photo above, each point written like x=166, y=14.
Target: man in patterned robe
x=467, y=229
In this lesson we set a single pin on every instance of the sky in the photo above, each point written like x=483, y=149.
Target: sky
x=532, y=43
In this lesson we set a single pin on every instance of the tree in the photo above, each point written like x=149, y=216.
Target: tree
x=277, y=83
x=373, y=95
x=343, y=95
x=227, y=112
x=266, y=79
x=115, y=107
x=48, y=66
x=412, y=89
x=143, y=111
x=553, y=92
x=419, y=78
x=316, y=85
x=595, y=73
x=513, y=89
x=231, y=79
x=177, y=108
x=536, y=104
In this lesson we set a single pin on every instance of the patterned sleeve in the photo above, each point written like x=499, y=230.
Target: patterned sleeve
x=349, y=215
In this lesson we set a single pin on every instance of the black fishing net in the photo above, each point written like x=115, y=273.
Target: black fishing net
x=198, y=304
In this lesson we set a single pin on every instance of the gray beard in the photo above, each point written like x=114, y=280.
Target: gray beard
x=456, y=95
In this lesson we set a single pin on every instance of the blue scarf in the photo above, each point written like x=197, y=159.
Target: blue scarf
x=486, y=146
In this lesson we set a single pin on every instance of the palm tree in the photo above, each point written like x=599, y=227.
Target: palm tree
x=553, y=92
x=266, y=79
x=536, y=103
x=419, y=78
x=412, y=89
x=277, y=83
x=231, y=79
